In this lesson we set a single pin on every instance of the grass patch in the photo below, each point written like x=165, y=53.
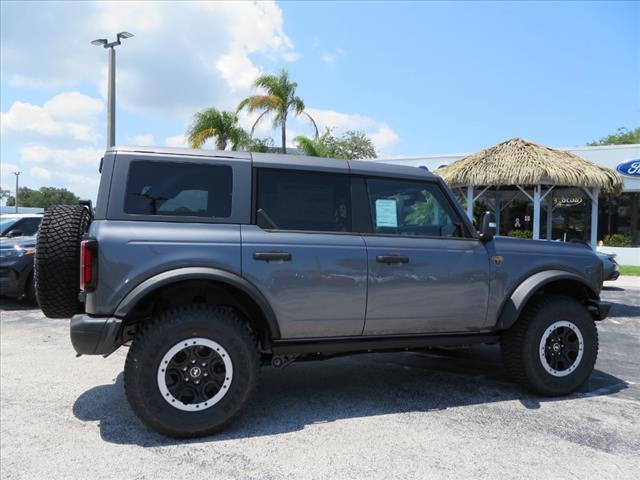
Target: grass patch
x=630, y=270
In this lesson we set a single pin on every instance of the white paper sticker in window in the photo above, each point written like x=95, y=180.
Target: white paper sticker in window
x=386, y=213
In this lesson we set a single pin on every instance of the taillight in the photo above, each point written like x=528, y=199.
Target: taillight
x=88, y=264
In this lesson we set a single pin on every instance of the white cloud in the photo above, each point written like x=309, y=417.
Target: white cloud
x=184, y=56
x=41, y=173
x=50, y=120
x=73, y=168
x=328, y=58
x=237, y=70
x=144, y=140
x=384, y=137
x=73, y=105
x=176, y=141
x=381, y=134
x=73, y=158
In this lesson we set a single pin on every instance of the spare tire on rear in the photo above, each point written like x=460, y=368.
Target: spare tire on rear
x=57, y=262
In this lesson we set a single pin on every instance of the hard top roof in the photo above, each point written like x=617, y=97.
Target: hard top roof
x=294, y=162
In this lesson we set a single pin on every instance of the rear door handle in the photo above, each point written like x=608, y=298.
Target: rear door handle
x=392, y=259
x=272, y=256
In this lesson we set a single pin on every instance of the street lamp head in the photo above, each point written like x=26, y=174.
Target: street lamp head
x=124, y=35
x=100, y=42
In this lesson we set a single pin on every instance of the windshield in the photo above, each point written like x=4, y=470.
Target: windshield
x=6, y=223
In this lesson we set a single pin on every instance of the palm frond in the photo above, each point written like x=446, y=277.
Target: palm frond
x=313, y=122
x=197, y=138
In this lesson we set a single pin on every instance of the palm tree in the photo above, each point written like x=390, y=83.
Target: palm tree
x=280, y=99
x=223, y=126
x=311, y=147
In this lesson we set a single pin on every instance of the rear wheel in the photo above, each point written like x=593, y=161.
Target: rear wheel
x=57, y=262
x=191, y=370
x=552, y=349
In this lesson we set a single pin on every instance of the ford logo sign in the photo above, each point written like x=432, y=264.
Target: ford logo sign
x=630, y=168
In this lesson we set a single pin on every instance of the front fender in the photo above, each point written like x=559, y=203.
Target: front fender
x=198, y=273
x=514, y=305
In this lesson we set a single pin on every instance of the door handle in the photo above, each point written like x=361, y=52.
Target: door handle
x=272, y=256
x=392, y=259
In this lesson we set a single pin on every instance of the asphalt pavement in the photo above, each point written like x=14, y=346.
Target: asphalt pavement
x=442, y=414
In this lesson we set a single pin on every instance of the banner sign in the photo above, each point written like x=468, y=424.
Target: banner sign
x=567, y=201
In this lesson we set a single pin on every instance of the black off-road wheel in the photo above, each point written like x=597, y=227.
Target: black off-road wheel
x=191, y=370
x=57, y=262
x=552, y=349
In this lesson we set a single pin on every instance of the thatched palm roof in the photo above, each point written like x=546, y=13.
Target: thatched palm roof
x=521, y=162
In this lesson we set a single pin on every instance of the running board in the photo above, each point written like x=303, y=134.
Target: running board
x=335, y=346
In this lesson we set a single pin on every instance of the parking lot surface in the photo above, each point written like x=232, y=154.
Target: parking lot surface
x=442, y=414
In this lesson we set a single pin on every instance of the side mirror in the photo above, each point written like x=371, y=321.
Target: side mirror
x=487, y=226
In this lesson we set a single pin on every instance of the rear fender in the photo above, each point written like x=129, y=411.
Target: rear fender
x=198, y=273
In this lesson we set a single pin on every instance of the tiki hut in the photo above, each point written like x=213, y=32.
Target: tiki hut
x=528, y=166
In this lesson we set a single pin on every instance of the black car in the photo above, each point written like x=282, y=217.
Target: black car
x=17, y=249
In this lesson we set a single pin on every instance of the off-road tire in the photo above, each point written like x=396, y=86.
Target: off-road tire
x=57, y=262
x=521, y=345
x=158, y=336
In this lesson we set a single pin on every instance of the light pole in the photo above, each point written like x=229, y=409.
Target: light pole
x=111, y=95
x=17, y=174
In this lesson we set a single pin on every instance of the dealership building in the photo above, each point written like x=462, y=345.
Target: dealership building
x=618, y=213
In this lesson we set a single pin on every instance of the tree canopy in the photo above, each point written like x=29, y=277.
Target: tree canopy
x=351, y=145
x=43, y=198
x=623, y=136
x=279, y=98
x=219, y=125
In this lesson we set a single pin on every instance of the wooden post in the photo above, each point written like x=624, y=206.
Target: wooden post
x=470, y=202
x=536, y=212
x=497, y=207
x=594, y=217
x=549, y=216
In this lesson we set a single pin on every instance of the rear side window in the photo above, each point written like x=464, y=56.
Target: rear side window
x=307, y=201
x=178, y=189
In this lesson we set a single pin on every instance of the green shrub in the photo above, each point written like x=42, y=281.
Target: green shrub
x=520, y=233
x=617, y=240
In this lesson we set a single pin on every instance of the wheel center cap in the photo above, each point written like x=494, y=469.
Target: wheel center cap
x=555, y=347
x=195, y=372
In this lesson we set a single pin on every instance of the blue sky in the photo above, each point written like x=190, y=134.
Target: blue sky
x=420, y=78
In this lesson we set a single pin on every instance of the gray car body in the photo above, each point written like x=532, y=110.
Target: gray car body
x=332, y=287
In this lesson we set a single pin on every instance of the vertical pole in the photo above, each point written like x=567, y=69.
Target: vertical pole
x=17, y=174
x=470, y=202
x=594, y=217
x=498, y=207
x=111, y=100
x=550, y=216
x=536, y=212
x=635, y=213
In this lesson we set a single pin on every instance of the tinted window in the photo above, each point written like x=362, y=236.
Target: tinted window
x=178, y=189
x=28, y=226
x=411, y=208
x=305, y=201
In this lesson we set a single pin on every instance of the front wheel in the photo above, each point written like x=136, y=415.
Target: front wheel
x=191, y=370
x=552, y=349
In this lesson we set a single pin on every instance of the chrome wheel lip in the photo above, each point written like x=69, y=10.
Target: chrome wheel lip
x=543, y=343
x=186, y=343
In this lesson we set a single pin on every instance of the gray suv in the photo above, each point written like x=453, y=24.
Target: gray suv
x=209, y=265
